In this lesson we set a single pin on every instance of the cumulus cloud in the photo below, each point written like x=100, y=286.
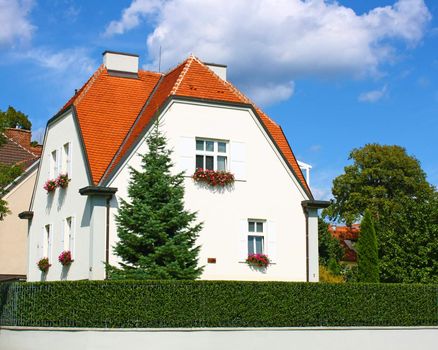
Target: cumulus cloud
x=268, y=44
x=15, y=24
x=373, y=95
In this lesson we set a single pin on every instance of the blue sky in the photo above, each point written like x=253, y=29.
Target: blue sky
x=335, y=75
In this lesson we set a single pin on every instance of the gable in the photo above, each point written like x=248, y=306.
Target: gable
x=113, y=112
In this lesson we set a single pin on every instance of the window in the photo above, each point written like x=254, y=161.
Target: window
x=211, y=155
x=69, y=235
x=54, y=164
x=47, y=241
x=66, y=159
x=256, y=238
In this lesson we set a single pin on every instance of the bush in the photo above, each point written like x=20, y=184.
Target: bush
x=217, y=304
x=325, y=275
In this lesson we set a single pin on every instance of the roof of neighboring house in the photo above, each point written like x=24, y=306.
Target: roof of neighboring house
x=16, y=151
x=347, y=236
x=113, y=111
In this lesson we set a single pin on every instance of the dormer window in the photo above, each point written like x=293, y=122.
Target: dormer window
x=211, y=155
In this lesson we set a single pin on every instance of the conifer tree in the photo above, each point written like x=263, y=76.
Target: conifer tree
x=157, y=236
x=367, y=251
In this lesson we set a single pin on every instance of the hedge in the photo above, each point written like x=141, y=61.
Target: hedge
x=215, y=304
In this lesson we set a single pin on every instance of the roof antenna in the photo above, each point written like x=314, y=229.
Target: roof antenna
x=159, y=61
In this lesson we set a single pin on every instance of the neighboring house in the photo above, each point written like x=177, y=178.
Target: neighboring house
x=347, y=237
x=100, y=133
x=13, y=232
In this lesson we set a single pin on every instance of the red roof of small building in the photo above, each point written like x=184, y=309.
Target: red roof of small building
x=113, y=111
x=346, y=235
x=17, y=149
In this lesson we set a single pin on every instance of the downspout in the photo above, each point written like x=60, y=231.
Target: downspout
x=306, y=215
x=108, y=201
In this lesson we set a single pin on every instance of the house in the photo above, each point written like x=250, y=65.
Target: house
x=347, y=237
x=17, y=150
x=100, y=132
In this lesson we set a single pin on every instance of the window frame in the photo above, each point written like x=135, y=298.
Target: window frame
x=69, y=235
x=215, y=153
x=54, y=164
x=47, y=242
x=66, y=160
x=256, y=233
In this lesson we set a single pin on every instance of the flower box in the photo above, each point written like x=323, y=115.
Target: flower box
x=65, y=258
x=50, y=185
x=258, y=260
x=43, y=264
x=213, y=178
x=62, y=180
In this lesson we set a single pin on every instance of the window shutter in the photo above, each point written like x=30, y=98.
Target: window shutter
x=243, y=242
x=69, y=160
x=49, y=244
x=186, y=154
x=238, y=160
x=58, y=162
x=63, y=230
x=40, y=244
x=72, y=237
x=272, y=242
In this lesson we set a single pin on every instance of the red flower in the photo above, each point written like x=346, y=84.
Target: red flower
x=213, y=178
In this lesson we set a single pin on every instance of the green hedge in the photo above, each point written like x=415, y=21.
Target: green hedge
x=216, y=304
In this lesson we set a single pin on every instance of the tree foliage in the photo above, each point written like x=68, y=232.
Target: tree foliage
x=380, y=179
x=11, y=118
x=156, y=234
x=329, y=247
x=392, y=185
x=7, y=174
x=367, y=252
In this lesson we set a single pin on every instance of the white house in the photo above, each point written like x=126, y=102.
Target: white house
x=100, y=133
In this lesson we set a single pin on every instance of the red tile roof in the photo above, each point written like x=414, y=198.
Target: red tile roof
x=113, y=111
x=17, y=149
x=346, y=235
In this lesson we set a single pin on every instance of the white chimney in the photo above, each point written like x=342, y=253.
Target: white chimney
x=219, y=69
x=120, y=62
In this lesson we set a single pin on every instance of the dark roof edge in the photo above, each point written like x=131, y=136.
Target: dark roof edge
x=97, y=191
x=215, y=64
x=314, y=204
x=120, y=53
x=26, y=215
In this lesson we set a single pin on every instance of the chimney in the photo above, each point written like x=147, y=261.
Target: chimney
x=121, y=64
x=20, y=136
x=219, y=69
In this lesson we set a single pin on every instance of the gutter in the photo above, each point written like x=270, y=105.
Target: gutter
x=108, y=193
x=308, y=205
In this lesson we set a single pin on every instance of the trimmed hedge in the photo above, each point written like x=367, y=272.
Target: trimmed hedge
x=216, y=304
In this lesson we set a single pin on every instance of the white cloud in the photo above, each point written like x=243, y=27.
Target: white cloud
x=373, y=95
x=268, y=44
x=14, y=22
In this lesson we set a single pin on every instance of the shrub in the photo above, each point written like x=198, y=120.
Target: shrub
x=217, y=304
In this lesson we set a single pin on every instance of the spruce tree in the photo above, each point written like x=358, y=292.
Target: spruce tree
x=367, y=251
x=157, y=235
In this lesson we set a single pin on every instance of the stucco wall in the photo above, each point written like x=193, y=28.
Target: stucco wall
x=219, y=339
x=268, y=191
x=13, y=230
x=55, y=207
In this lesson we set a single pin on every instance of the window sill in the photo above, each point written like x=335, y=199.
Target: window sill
x=244, y=262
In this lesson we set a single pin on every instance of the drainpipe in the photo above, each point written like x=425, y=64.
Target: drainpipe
x=308, y=205
x=107, y=193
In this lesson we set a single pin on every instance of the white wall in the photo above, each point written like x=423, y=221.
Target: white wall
x=268, y=192
x=55, y=207
x=218, y=339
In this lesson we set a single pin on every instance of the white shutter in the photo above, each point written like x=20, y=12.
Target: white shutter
x=58, y=162
x=243, y=241
x=72, y=237
x=50, y=241
x=238, y=160
x=40, y=244
x=272, y=241
x=69, y=161
x=186, y=155
x=63, y=230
